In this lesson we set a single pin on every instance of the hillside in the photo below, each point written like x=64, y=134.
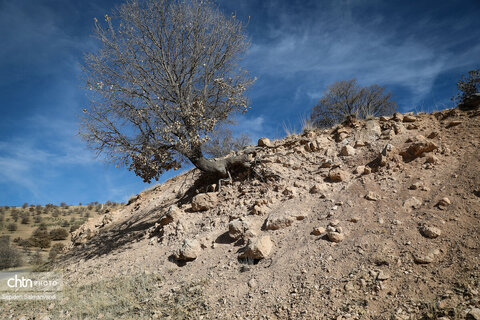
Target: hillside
x=373, y=219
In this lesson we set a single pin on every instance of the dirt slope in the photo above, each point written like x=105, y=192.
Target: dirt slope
x=395, y=203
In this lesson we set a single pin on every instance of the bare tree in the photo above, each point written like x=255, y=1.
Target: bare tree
x=347, y=98
x=165, y=76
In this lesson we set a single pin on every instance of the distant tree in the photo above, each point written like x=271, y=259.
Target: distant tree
x=25, y=205
x=165, y=76
x=467, y=86
x=58, y=234
x=347, y=98
x=40, y=239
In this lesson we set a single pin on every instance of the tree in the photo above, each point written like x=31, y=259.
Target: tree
x=165, y=76
x=58, y=234
x=347, y=98
x=467, y=86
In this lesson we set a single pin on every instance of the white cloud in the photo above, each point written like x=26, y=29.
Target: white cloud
x=336, y=47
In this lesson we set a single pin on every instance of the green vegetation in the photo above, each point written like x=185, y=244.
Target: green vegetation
x=35, y=228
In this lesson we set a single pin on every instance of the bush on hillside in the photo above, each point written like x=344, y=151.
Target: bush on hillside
x=346, y=98
x=58, y=234
x=467, y=86
x=9, y=256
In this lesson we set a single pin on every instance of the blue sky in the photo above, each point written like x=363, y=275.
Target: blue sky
x=418, y=50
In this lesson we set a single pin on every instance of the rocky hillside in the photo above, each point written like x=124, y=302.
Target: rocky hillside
x=374, y=219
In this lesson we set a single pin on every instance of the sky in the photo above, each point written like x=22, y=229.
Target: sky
x=416, y=49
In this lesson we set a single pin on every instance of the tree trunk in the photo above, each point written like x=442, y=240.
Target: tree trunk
x=219, y=166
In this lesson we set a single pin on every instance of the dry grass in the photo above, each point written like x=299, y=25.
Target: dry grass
x=129, y=297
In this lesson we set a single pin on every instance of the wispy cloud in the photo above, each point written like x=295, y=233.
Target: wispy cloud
x=332, y=44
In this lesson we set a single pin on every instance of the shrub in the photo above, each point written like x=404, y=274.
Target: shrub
x=467, y=86
x=9, y=256
x=12, y=227
x=25, y=220
x=58, y=234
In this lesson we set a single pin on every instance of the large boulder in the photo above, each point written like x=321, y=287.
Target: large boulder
x=204, y=201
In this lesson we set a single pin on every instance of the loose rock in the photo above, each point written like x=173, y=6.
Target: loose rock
x=257, y=248
x=204, y=201
x=430, y=232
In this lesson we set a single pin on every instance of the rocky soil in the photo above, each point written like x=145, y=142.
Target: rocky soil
x=374, y=219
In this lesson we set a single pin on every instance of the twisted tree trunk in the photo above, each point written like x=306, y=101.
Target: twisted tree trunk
x=219, y=167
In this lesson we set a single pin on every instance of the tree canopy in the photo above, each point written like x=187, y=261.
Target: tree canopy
x=165, y=76
x=347, y=98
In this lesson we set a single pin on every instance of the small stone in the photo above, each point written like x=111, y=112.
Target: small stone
x=354, y=219
x=444, y=202
x=423, y=259
x=415, y=185
x=204, y=201
x=473, y=314
x=453, y=123
x=359, y=170
x=398, y=117
x=382, y=276
x=409, y=118
x=252, y=283
x=275, y=223
x=360, y=143
x=264, y=142
x=335, y=236
x=349, y=287
x=237, y=228
x=371, y=196
x=430, y=232
x=337, y=175
x=334, y=223
x=412, y=203
x=432, y=135
x=170, y=216
x=317, y=188
x=347, y=151
x=431, y=159
x=318, y=231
